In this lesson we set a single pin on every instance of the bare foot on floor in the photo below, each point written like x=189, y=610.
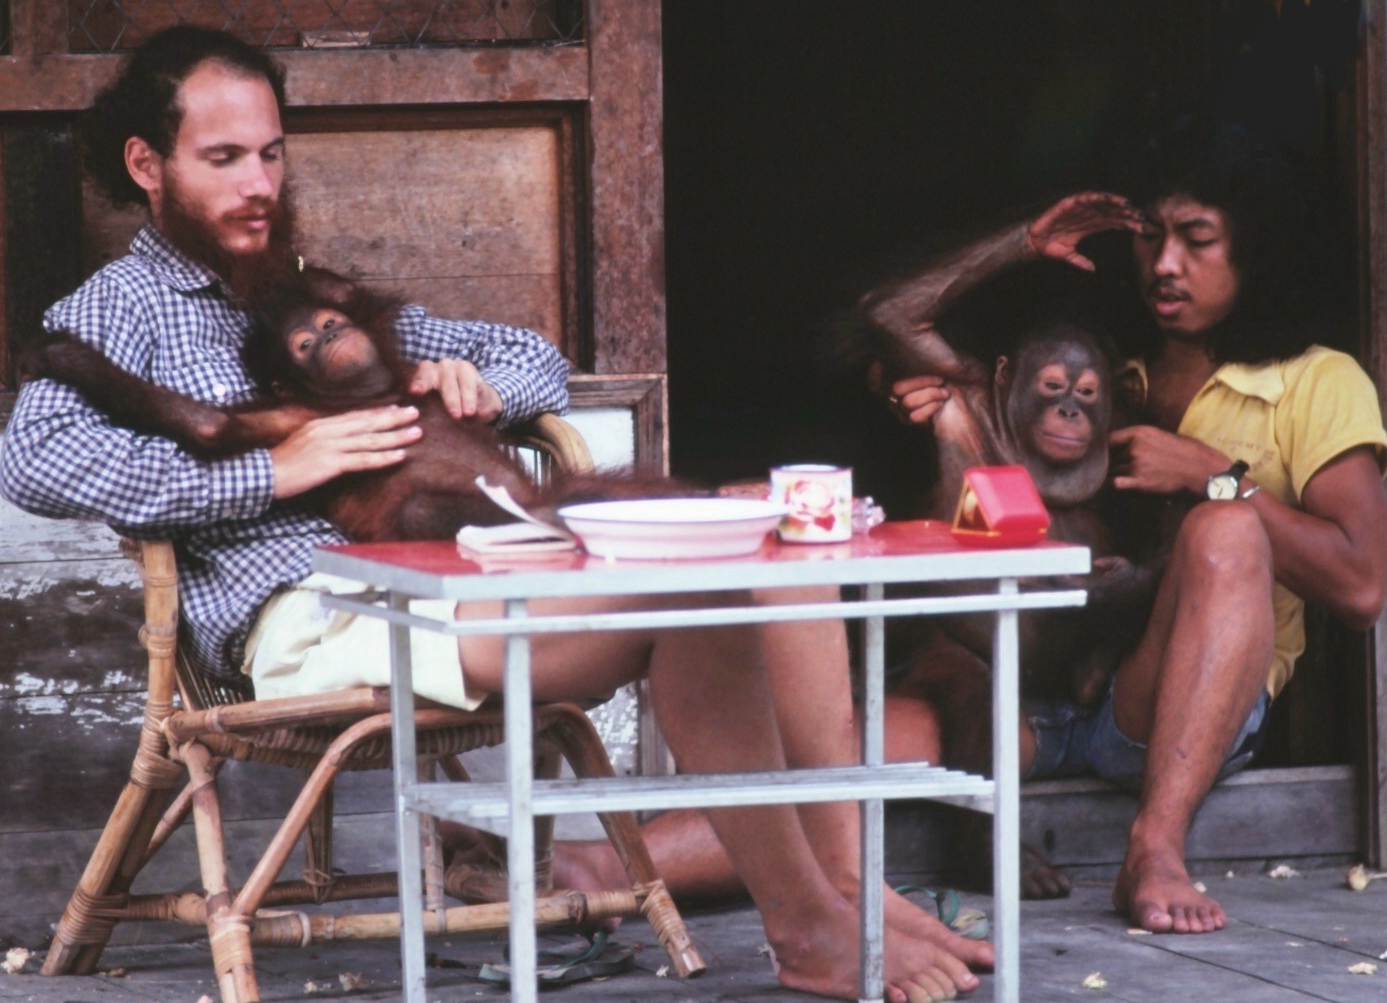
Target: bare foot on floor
x=911, y=920
x=1156, y=892
x=820, y=955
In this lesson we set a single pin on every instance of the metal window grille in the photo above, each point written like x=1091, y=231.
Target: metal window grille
x=117, y=25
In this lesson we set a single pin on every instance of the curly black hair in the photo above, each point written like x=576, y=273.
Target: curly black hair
x=1292, y=270
x=143, y=101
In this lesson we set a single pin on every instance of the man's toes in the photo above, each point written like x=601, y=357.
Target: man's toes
x=928, y=987
x=955, y=973
x=1153, y=917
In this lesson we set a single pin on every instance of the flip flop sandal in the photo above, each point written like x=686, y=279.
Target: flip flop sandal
x=597, y=959
x=968, y=923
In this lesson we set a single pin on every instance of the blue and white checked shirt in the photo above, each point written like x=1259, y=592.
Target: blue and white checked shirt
x=166, y=318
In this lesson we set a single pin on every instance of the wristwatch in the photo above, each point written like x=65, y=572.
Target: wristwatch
x=1224, y=486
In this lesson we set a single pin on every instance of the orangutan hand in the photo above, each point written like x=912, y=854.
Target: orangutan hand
x=1056, y=234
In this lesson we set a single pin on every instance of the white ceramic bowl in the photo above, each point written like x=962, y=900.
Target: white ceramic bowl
x=663, y=528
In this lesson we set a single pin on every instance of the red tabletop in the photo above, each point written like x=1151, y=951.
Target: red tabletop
x=890, y=539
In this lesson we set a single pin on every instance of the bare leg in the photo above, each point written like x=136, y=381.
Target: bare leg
x=807, y=665
x=712, y=699
x=1185, y=692
x=943, y=673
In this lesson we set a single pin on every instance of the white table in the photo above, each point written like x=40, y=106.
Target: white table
x=895, y=553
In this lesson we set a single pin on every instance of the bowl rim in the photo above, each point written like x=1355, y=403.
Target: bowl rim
x=662, y=511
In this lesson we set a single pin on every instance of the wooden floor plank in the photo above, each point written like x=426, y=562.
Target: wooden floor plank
x=1064, y=942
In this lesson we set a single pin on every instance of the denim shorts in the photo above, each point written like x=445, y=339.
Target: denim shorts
x=1073, y=741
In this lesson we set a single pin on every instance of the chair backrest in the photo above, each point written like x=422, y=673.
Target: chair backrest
x=552, y=444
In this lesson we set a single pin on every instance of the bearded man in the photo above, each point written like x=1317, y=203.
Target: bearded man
x=191, y=130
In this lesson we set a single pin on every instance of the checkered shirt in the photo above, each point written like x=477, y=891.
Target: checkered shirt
x=164, y=317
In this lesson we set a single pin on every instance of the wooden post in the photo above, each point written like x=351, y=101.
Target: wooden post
x=626, y=194
x=1372, y=216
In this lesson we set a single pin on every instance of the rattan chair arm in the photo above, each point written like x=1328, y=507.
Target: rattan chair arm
x=561, y=440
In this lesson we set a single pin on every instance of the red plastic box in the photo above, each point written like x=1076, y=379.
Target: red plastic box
x=999, y=507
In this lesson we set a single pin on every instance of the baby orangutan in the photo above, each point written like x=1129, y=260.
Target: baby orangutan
x=322, y=345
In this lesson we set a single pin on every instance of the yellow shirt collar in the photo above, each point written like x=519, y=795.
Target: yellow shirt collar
x=1266, y=381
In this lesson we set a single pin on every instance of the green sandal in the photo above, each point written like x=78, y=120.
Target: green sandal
x=969, y=923
x=597, y=959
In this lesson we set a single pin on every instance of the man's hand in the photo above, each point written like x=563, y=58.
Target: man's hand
x=342, y=444
x=465, y=394
x=1056, y=234
x=1146, y=458
x=915, y=400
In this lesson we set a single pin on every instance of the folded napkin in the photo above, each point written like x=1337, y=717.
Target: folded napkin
x=529, y=535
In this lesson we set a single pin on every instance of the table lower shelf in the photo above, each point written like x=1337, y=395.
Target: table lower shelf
x=489, y=801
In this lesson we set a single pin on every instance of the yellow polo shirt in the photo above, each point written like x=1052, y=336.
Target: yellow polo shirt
x=1286, y=420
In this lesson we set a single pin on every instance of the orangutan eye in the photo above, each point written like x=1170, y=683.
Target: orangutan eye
x=306, y=344
x=329, y=324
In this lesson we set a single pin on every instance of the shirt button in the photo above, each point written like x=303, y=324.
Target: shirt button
x=219, y=390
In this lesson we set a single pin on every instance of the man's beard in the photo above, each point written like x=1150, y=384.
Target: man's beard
x=251, y=275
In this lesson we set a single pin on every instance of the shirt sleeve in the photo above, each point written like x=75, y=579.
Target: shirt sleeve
x=526, y=371
x=61, y=458
x=1329, y=408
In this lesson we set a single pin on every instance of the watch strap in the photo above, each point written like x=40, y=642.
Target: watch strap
x=1250, y=492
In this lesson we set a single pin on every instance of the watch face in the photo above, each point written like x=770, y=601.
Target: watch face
x=1223, y=487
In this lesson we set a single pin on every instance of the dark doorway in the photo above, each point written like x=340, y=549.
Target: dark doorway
x=811, y=143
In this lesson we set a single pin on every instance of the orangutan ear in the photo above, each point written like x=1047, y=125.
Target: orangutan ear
x=1003, y=376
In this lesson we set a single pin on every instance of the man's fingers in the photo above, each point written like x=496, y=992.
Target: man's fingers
x=374, y=442
x=907, y=386
x=921, y=405
x=355, y=462
x=370, y=419
x=467, y=398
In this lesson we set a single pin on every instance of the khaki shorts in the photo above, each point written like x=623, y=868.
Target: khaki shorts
x=297, y=646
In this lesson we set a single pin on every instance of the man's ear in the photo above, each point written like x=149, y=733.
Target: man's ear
x=145, y=165
x=1002, y=376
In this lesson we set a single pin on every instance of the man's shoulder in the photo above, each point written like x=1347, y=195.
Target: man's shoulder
x=132, y=274
x=1320, y=363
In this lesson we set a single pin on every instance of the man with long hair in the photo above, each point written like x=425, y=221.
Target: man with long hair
x=1278, y=438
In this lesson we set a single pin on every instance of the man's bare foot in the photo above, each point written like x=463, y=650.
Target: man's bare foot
x=819, y=954
x=1155, y=891
x=905, y=917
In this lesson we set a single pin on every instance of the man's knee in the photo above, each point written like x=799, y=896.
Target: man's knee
x=1226, y=540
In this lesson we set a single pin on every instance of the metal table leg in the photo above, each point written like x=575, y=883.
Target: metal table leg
x=407, y=834
x=1006, y=800
x=872, y=811
x=520, y=777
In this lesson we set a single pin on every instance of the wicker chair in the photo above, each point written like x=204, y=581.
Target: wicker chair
x=183, y=746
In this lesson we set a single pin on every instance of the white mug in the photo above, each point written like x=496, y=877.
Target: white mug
x=818, y=500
